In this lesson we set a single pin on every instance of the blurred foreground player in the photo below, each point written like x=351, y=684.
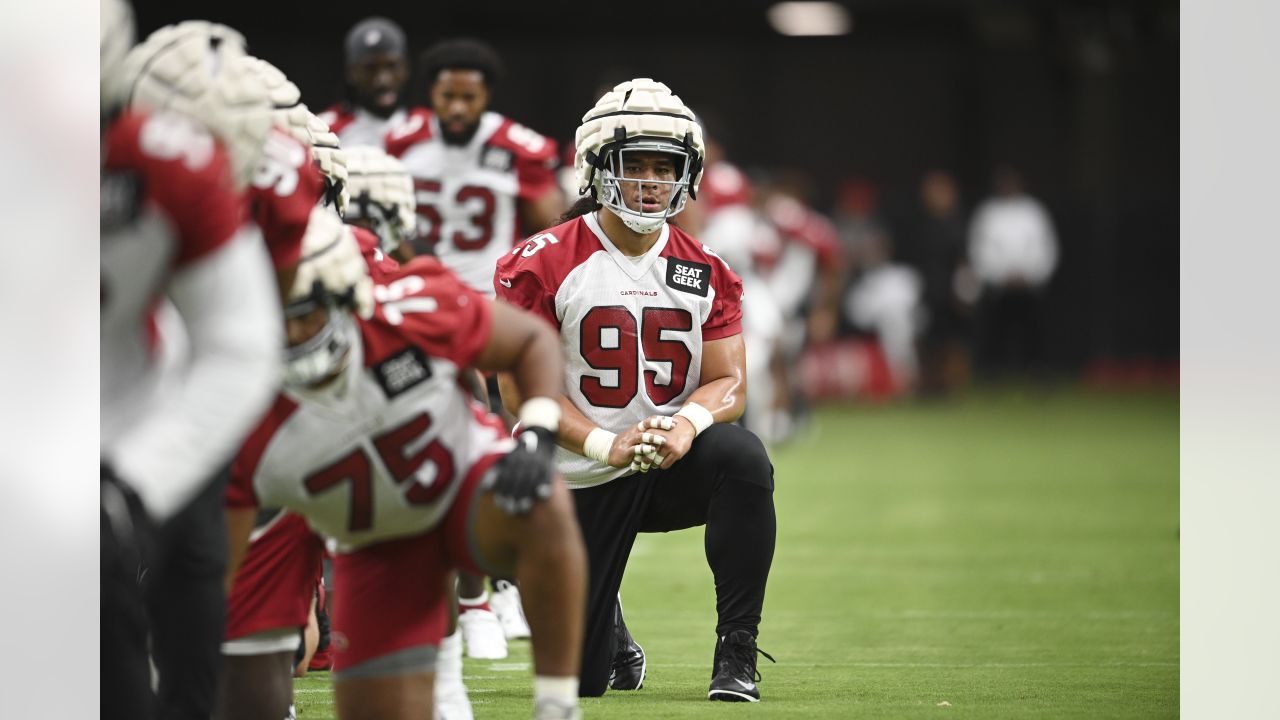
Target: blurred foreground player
x=650, y=326
x=377, y=446
x=171, y=228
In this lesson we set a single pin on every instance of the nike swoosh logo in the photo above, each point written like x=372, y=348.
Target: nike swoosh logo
x=745, y=686
x=505, y=282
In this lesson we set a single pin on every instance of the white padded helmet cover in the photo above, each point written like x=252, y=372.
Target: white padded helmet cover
x=387, y=182
x=643, y=108
x=193, y=68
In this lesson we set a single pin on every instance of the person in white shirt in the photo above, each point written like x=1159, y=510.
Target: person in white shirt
x=1014, y=251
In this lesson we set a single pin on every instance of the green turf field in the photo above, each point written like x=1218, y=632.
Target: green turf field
x=1005, y=556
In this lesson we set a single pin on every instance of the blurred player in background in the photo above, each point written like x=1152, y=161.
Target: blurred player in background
x=375, y=443
x=480, y=177
x=381, y=192
x=189, y=361
x=650, y=325
x=377, y=64
x=725, y=219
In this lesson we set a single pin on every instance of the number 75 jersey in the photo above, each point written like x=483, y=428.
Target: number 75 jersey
x=631, y=328
x=380, y=453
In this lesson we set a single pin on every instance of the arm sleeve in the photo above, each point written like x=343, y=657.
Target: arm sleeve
x=231, y=311
x=725, y=318
x=442, y=316
x=523, y=288
x=536, y=172
x=292, y=185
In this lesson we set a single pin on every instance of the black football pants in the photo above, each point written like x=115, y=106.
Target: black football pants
x=187, y=605
x=725, y=482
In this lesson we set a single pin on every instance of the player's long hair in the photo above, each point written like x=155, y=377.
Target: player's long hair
x=585, y=204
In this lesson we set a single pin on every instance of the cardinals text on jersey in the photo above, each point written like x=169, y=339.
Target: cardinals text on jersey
x=631, y=328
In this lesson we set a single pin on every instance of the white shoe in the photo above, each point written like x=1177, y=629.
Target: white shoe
x=482, y=633
x=548, y=709
x=505, y=602
x=452, y=702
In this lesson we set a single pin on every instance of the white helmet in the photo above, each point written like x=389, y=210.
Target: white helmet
x=284, y=94
x=638, y=115
x=191, y=68
x=381, y=191
x=115, y=37
x=333, y=274
x=290, y=115
x=308, y=128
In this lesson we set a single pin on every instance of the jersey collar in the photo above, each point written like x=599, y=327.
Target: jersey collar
x=633, y=270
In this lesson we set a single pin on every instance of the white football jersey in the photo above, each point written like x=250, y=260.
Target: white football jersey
x=357, y=126
x=631, y=328
x=467, y=194
x=382, y=452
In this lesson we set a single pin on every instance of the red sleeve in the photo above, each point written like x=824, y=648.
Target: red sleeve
x=287, y=186
x=725, y=318
x=822, y=237
x=186, y=174
x=240, y=492
x=337, y=117
x=424, y=305
x=518, y=283
x=724, y=185
x=535, y=158
x=415, y=129
x=381, y=266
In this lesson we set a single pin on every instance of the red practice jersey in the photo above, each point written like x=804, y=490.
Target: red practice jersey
x=286, y=186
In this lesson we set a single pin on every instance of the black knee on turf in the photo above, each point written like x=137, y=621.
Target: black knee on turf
x=737, y=454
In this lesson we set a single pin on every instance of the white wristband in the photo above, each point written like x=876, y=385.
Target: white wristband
x=540, y=412
x=598, y=444
x=699, y=416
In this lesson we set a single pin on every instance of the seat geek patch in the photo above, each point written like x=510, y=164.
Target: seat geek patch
x=402, y=371
x=690, y=277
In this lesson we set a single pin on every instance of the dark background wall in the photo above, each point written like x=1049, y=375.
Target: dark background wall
x=1081, y=96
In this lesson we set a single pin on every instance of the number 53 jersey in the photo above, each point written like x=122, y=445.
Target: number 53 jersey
x=380, y=452
x=467, y=195
x=631, y=328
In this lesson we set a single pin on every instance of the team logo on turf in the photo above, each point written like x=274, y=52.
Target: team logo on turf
x=688, y=276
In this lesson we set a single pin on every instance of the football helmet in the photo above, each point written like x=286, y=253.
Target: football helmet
x=307, y=127
x=291, y=115
x=115, y=37
x=638, y=115
x=191, y=68
x=331, y=274
x=381, y=191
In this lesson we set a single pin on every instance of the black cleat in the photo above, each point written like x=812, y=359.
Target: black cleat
x=733, y=673
x=627, y=669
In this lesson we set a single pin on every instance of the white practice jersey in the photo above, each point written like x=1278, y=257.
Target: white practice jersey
x=357, y=126
x=381, y=453
x=631, y=328
x=468, y=195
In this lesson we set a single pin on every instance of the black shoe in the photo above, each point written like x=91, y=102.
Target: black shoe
x=733, y=673
x=627, y=669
